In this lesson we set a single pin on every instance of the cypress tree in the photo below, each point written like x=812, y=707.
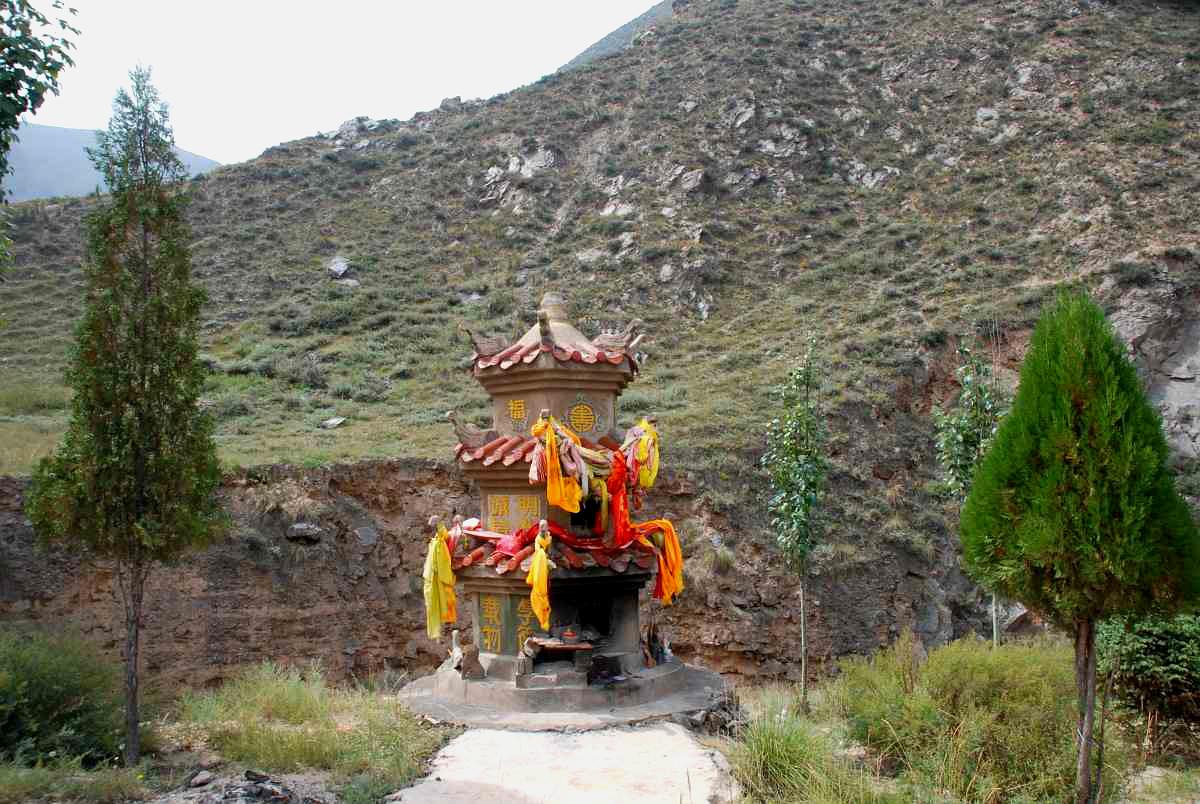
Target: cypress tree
x=1074, y=511
x=134, y=477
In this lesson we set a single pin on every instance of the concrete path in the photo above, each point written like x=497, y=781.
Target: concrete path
x=659, y=763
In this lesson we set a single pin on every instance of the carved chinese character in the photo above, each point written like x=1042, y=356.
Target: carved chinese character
x=529, y=508
x=498, y=513
x=525, y=618
x=489, y=609
x=491, y=638
x=524, y=611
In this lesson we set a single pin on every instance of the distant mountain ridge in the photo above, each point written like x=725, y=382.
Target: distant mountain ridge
x=621, y=37
x=49, y=161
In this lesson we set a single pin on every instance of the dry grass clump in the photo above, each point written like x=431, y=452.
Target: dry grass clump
x=782, y=756
x=977, y=723
x=965, y=723
x=68, y=781
x=283, y=719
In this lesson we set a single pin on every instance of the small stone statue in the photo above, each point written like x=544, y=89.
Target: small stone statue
x=455, y=659
x=465, y=658
x=470, y=667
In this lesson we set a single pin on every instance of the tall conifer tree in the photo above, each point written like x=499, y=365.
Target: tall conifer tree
x=135, y=476
x=1073, y=511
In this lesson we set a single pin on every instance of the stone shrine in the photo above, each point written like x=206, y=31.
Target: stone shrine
x=557, y=484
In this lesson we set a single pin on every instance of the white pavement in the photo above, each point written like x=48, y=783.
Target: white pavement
x=649, y=764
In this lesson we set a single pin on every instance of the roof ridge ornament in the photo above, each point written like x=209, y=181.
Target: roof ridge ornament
x=485, y=345
x=555, y=335
x=617, y=340
x=554, y=306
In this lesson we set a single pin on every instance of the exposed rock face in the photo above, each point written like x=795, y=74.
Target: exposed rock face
x=347, y=592
x=326, y=565
x=1161, y=323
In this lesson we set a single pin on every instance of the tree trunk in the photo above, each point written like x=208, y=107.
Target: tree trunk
x=803, y=652
x=995, y=624
x=133, y=626
x=1085, y=683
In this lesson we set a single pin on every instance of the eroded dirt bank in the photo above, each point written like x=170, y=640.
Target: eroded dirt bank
x=324, y=564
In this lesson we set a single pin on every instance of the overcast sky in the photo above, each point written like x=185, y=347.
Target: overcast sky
x=242, y=76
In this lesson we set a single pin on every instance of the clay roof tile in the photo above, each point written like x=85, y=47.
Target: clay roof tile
x=561, y=340
x=506, y=450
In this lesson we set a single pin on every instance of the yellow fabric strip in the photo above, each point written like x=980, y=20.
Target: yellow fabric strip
x=561, y=490
x=441, y=606
x=538, y=580
x=670, y=557
x=647, y=455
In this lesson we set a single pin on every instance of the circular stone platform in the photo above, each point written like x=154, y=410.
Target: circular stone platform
x=650, y=694
x=655, y=764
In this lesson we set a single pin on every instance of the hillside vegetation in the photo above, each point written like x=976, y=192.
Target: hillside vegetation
x=890, y=176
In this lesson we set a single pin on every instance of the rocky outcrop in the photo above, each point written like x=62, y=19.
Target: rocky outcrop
x=325, y=565
x=1161, y=322
x=322, y=565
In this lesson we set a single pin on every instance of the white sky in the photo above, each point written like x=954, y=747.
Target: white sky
x=242, y=76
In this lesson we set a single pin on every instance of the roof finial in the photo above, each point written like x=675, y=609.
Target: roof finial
x=554, y=305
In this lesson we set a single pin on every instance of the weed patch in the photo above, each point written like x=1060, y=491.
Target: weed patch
x=284, y=719
x=983, y=724
x=782, y=757
x=68, y=781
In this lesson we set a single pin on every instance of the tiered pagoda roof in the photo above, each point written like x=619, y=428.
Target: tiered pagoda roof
x=554, y=335
x=497, y=361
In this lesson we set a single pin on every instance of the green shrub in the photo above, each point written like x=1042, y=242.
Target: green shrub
x=1138, y=274
x=231, y=406
x=332, y=315
x=1158, y=131
x=984, y=724
x=1156, y=664
x=306, y=371
x=782, y=757
x=636, y=402
x=58, y=699
x=371, y=389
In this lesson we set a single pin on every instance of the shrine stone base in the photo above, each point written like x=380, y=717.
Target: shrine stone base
x=588, y=670
x=655, y=693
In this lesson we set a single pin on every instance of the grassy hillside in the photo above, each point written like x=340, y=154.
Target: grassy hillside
x=889, y=175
